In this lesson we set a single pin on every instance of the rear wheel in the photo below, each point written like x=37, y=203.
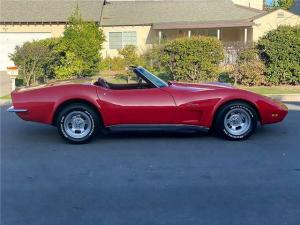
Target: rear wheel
x=236, y=121
x=78, y=123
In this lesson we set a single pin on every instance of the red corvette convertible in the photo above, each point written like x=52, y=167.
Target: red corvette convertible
x=80, y=110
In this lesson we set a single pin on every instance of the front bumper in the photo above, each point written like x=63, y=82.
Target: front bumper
x=275, y=113
x=12, y=109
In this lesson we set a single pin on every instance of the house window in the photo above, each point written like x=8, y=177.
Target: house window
x=115, y=40
x=129, y=38
x=206, y=32
x=118, y=40
x=212, y=33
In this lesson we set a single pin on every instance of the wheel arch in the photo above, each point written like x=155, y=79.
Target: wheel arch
x=74, y=101
x=253, y=105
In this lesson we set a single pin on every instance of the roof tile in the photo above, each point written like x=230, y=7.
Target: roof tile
x=153, y=12
x=48, y=10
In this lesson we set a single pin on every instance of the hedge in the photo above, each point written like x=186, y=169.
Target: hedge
x=280, y=51
x=192, y=59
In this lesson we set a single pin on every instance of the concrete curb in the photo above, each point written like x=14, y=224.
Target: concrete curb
x=286, y=97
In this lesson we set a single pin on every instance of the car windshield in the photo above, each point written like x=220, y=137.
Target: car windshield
x=151, y=77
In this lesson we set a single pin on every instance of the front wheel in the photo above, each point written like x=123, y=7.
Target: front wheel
x=236, y=121
x=77, y=123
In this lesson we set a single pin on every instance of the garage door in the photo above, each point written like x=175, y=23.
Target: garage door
x=8, y=42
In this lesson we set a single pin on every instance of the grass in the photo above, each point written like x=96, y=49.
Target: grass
x=273, y=90
x=5, y=97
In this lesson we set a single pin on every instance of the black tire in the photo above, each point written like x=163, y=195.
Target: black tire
x=227, y=112
x=85, y=113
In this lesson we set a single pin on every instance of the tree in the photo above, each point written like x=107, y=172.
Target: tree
x=80, y=48
x=131, y=58
x=53, y=58
x=31, y=58
x=152, y=58
x=130, y=55
x=283, y=4
x=192, y=59
x=249, y=69
x=280, y=51
x=113, y=64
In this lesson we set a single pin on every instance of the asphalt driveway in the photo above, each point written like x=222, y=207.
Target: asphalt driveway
x=152, y=178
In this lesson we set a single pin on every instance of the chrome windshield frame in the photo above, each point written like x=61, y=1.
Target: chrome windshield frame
x=138, y=71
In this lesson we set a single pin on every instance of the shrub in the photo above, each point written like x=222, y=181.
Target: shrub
x=76, y=54
x=80, y=48
x=19, y=82
x=130, y=55
x=53, y=58
x=249, y=69
x=280, y=50
x=131, y=58
x=113, y=64
x=36, y=60
x=192, y=59
x=225, y=74
x=152, y=58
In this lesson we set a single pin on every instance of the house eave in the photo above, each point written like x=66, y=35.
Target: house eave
x=126, y=25
x=223, y=24
x=36, y=22
x=32, y=22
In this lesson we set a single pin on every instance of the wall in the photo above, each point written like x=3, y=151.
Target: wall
x=5, y=83
x=12, y=35
x=55, y=30
x=145, y=37
x=272, y=20
x=257, y=4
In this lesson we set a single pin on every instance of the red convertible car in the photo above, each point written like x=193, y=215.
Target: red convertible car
x=80, y=110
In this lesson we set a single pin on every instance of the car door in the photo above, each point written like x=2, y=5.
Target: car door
x=136, y=106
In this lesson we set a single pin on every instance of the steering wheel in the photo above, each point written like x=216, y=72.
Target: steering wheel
x=101, y=82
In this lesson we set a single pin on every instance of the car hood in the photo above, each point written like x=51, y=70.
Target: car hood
x=202, y=87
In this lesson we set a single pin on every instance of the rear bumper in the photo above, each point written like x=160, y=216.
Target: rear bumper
x=12, y=109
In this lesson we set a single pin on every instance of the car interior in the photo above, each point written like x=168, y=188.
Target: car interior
x=139, y=83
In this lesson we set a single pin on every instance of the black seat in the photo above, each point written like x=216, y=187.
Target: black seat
x=101, y=82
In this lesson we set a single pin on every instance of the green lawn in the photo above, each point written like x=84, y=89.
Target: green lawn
x=5, y=97
x=274, y=90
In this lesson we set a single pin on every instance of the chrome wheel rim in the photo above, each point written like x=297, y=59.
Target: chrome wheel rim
x=237, y=122
x=77, y=124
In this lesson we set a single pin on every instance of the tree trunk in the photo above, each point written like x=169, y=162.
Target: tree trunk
x=235, y=80
x=27, y=79
x=32, y=72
